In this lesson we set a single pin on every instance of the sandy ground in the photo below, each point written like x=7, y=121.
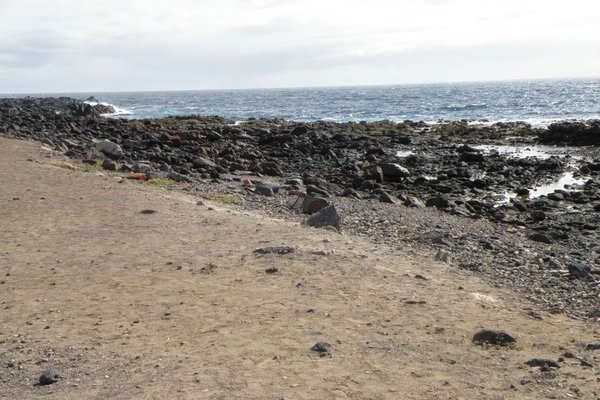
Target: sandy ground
x=176, y=304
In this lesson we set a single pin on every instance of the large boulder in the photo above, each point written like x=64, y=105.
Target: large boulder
x=110, y=149
x=309, y=204
x=201, y=162
x=328, y=216
x=393, y=172
x=575, y=133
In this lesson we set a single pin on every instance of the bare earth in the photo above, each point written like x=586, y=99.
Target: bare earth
x=176, y=304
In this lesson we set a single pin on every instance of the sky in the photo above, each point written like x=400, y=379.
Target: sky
x=127, y=45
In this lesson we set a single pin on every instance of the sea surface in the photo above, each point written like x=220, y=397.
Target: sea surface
x=538, y=102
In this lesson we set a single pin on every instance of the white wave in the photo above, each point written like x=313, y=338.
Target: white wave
x=118, y=110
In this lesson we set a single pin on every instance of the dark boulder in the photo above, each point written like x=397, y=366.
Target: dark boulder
x=487, y=336
x=575, y=133
x=327, y=216
x=438, y=202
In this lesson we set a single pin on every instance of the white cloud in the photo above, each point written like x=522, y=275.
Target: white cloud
x=186, y=44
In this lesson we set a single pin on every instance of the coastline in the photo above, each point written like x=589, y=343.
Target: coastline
x=126, y=303
x=446, y=194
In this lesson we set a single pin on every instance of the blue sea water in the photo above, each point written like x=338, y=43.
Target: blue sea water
x=538, y=102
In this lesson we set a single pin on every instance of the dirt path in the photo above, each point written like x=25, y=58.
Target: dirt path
x=176, y=304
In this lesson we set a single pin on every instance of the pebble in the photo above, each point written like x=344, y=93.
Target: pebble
x=49, y=377
x=323, y=348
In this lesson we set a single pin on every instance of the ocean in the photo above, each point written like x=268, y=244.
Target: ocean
x=538, y=102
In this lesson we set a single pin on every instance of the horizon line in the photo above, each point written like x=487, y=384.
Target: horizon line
x=311, y=87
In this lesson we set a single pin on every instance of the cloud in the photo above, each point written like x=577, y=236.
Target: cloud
x=186, y=44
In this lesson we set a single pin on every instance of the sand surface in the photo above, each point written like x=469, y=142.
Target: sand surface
x=176, y=304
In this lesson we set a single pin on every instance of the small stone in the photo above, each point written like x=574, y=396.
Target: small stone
x=442, y=256
x=323, y=348
x=438, y=202
x=410, y=302
x=541, y=237
x=264, y=190
x=538, y=215
x=585, y=364
x=109, y=165
x=147, y=211
x=493, y=337
x=543, y=363
x=272, y=270
x=281, y=250
x=579, y=270
x=549, y=375
x=48, y=377
x=388, y=198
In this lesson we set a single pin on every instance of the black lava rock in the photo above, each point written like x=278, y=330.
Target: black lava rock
x=542, y=362
x=500, y=338
x=323, y=348
x=49, y=377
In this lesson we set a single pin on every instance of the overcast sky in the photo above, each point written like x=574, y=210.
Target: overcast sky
x=109, y=45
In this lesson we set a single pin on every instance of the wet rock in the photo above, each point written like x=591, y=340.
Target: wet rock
x=578, y=133
x=538, y=215
x=299, y=130
x=328, y=216
x=488, y=336
x=472, y=157
x=556, y=196
x=49, y=377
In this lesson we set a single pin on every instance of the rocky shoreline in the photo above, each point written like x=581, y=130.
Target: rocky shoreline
x=466, y=192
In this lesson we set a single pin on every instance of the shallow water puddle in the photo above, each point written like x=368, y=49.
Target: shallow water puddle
x=566, y=180
x=539, y=152
x=404, y=153
x=516, y=151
